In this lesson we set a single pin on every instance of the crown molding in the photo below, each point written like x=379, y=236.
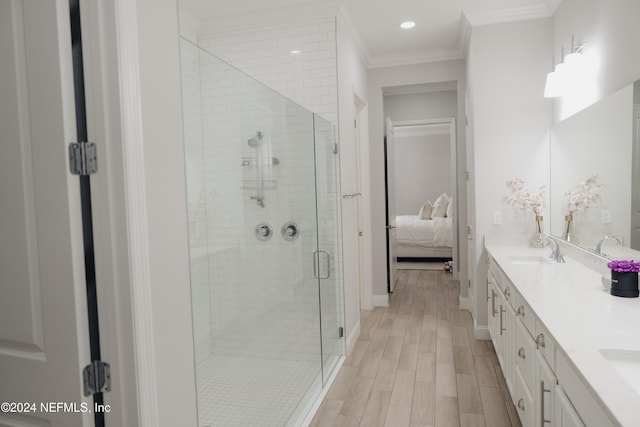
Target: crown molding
x=553, y=5
x=513, y=14
x=413, y=58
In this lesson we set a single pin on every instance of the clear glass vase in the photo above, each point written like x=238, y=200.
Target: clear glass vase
x=536, y=239
x=568, y=230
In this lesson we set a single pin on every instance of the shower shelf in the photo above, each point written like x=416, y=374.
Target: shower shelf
x=249, y=162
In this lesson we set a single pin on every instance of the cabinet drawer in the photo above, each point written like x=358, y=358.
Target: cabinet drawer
x=524, y=313
x=545, y=343
x=524, y=402
x=525, y=354
x=497, y=272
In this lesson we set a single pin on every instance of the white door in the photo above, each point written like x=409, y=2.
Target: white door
x=635, y=182
x=391, y=205
x=364, y=293
x=43, y=334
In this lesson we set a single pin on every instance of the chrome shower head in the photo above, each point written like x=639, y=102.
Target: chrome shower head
x=255, y=140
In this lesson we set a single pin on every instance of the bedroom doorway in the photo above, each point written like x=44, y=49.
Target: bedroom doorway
x=421, y=185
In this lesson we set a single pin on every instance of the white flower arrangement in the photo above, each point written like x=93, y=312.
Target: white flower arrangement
x=585, y=195
x=521, y=198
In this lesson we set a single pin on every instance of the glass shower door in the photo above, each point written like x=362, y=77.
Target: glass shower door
x=266, y=282
x=329, y=255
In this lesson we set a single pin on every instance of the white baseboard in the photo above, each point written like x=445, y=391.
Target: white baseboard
x=353, y=337
x=381, y=300
x=465, y=303
x=481, y=333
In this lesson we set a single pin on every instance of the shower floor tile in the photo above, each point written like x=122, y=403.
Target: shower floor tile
x=244, y=391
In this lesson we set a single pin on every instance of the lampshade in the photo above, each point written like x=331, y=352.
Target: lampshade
x=555, y=81
x=552, y=87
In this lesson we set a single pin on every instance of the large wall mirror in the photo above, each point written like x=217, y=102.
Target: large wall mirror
x=598, y=151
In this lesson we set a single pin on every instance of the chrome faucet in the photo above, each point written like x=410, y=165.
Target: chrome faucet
x=556, y=253
x=598, y=248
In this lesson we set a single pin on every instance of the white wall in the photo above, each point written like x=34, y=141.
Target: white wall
x=511, y=120
x=380, y=78
x=423, y=170
x=609, y=28
x=352, y=83
x=416, y=106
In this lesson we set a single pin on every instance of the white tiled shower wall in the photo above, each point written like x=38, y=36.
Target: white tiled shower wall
x=265, y=53
x=259, y=298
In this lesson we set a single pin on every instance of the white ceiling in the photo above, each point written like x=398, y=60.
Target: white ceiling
x=440, y=32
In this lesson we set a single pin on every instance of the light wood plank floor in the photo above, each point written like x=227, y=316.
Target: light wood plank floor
x=417, y=364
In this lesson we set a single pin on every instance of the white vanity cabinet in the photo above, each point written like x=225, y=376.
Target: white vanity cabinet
x=525, y=368
x=544, y=387
x=501, y=322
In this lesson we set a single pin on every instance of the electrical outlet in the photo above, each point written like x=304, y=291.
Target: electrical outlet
x=605, y=216
x=497, y=218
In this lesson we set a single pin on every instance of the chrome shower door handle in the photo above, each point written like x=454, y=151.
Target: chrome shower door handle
x=316, y=258
x=315, y=264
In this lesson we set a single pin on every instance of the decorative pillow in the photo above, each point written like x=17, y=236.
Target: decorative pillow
x=440, y=206
x=425, y=210
x=450, y=208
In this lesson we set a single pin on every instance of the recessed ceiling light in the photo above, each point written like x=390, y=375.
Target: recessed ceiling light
x=296, y=52
x=407, y=24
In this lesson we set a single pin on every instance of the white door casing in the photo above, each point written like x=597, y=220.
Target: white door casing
x=43, y=333
x=391, y=207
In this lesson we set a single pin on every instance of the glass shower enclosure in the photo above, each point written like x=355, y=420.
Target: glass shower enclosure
x=265, y=246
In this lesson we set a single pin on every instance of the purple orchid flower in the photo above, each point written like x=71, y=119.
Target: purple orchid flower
x=624, y=266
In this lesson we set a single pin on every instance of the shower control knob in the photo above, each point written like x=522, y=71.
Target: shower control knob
x=263, y=231
x=290, y=231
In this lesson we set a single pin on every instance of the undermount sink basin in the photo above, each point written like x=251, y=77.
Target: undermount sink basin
x=626, y=363
x=529, y=259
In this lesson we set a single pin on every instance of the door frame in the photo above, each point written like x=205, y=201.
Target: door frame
x=143, y=265
x=365, y=287
x=451, y=122
x=157, y=236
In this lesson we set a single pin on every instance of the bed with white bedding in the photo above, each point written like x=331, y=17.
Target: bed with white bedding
x=423, y=238
x=428, y=234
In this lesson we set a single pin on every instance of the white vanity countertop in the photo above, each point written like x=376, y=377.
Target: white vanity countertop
x=583, y=318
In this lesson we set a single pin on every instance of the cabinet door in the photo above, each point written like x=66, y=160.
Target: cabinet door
x=525, y=403
x=544, y=394
x=506, y=326
x=565, y=414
